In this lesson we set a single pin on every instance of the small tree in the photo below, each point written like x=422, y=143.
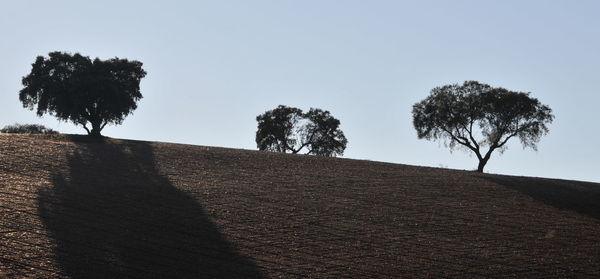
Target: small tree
x=287, y=129
x=456, y=113
x=75, y=88
x=27, y=129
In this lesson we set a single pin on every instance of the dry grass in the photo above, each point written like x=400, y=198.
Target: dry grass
x=77, y=208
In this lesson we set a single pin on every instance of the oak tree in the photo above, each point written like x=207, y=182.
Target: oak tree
x=288, y=129
x=84, y=91
x=457, y=113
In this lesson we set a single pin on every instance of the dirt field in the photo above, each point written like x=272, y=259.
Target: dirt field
x=76, y=208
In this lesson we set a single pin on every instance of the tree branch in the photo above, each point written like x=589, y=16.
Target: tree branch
x=465, y=142
x=86, y=128
x=103, y=124
x=505, y=140
x=306, y=143
x=471, y=135
x=288, y=147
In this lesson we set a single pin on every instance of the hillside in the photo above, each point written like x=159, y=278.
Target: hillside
x=71, y=207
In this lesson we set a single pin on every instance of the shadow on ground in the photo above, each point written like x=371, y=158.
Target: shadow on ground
x=113, y=215
x=582, y=197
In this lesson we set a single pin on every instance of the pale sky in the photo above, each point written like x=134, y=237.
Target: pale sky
x=214, y=66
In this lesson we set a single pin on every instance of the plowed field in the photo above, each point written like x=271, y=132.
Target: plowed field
x=71, y=207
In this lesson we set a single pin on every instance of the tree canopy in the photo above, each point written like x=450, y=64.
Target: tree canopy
x=288, y=129
x=457, y=113
x=84, y=91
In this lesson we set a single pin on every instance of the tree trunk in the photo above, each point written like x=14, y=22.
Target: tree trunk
x=485, y=159
x=482, y=163
x=96, y=128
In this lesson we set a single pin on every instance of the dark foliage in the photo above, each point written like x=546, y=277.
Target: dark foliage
x=286, y=129
x=76, y=88
x=456, y=113
x=27, y=129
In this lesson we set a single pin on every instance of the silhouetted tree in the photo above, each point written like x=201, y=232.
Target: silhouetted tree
x=288, y=129
x=76, y=88
x=323, y=135
x=456, y=113
x=27, y=129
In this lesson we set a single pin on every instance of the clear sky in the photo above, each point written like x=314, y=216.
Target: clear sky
x=214, y=66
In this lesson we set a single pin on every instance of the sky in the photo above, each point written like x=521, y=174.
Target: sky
x=214, y=66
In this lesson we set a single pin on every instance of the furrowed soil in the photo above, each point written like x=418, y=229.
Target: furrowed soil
x=72, y=207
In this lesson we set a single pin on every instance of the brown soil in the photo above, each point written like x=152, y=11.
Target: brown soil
x=71, y=207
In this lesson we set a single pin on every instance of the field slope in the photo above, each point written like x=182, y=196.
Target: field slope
x=71, y=207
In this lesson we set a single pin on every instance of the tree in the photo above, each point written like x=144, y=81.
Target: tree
x=288, y=129
x=456, y=113
x=75, y=88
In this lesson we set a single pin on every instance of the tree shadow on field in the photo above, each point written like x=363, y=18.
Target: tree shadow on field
x=112, y=215
x=582, y=197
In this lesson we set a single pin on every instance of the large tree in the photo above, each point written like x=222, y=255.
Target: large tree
x=288, y=129
x=457, y=113
x=84, y=91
